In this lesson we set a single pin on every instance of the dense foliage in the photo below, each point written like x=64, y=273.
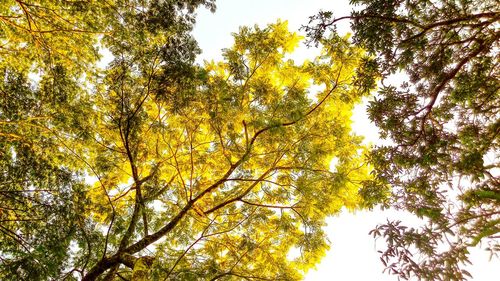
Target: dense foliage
x=443, y=126
x=157, y=168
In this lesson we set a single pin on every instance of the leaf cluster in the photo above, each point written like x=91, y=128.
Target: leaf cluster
x=442, y=124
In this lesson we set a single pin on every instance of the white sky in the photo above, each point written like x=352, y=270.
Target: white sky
x=353, y=253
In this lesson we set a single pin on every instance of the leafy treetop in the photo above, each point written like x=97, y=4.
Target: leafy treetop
x=443, y=123
x=212, y=172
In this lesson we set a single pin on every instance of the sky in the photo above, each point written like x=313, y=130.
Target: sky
x=353, y=254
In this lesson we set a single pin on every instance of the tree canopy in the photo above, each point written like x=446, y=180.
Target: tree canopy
x=158, y=168
x=442, y=124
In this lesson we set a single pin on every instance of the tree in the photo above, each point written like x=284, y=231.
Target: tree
x=212, y=172
x=227, y=166
x=42, y=193
x=443, y=125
